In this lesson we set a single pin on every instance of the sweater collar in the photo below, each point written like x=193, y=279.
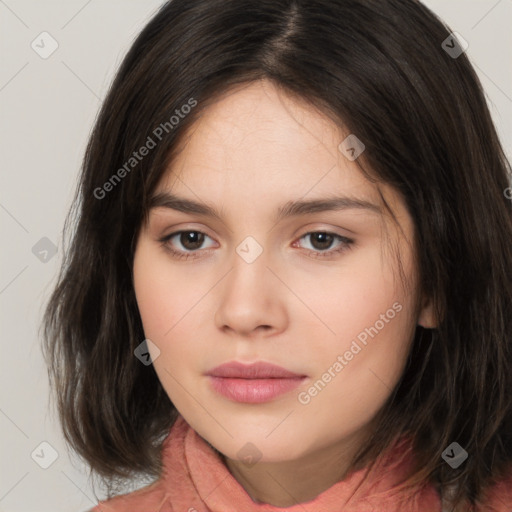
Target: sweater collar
x=195, y=477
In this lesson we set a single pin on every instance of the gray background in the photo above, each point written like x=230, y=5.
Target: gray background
x=47, y=108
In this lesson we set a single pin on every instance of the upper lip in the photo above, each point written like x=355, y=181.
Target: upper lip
x=258, y=370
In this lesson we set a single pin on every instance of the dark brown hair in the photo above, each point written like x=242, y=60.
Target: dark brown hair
x=376, y=66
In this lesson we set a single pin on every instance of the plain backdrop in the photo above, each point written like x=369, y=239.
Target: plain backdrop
x=47, y=109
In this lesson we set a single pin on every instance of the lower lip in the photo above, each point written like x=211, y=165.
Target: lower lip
x=253, y=391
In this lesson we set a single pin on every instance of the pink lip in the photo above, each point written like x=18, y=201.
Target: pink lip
x=258, y=370
x=254, y=383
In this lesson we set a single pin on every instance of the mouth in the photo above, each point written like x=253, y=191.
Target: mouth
x=255, y=383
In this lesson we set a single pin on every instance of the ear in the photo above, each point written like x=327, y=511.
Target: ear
x=427, y=317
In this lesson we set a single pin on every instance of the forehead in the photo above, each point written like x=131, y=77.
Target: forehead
x=257, y=139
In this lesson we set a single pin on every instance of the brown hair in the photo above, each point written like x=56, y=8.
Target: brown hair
x=378, y=67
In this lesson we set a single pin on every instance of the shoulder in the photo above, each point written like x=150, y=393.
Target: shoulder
x=151, y=498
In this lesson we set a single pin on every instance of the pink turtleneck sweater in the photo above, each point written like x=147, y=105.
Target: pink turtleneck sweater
x=195, y=479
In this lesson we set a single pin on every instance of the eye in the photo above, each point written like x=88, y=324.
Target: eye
x=322, y=241
x=190, y=242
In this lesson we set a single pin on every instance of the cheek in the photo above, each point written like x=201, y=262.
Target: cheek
x=155, y=300
x=171, y=316
x=354, y=296
x=373, y=321
x=164, y=298
x=372, y=338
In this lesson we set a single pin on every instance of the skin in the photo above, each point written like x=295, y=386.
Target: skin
x=252, y=151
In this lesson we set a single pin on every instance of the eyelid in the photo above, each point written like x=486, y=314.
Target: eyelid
x=172, y=234
x=345, y=243
x=181, y=228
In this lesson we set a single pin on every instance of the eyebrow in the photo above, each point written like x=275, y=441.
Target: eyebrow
x=289, y=209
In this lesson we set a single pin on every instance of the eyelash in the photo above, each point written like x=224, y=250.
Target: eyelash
x=346, y=245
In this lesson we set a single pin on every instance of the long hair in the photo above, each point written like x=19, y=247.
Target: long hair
x=380, y=68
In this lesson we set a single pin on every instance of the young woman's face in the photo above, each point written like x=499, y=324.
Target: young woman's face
x=315, y=291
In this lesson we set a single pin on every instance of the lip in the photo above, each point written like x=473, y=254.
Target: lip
x=254, y=383
x=258, y=370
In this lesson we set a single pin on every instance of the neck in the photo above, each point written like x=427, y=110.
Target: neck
x=287, y=483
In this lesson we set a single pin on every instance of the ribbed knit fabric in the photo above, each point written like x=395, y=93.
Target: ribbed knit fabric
x=195, y=479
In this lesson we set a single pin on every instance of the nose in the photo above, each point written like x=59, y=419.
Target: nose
x=251, y=300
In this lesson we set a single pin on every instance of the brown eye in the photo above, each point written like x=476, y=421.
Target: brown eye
x=321, y=240
x=186, y=243
x=321, y=243
x=191, y=240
